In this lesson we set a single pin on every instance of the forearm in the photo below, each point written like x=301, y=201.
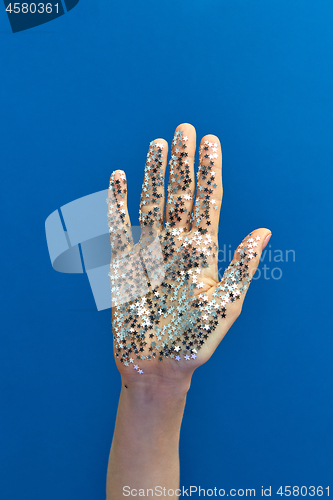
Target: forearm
x=145, y=447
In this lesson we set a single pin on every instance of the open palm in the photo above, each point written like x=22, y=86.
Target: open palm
x=169, y=309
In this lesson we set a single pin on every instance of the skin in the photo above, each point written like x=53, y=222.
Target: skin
x=145, y=446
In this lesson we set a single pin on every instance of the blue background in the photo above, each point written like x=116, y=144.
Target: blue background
x=84, y=95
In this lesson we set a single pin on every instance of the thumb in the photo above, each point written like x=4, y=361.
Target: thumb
x=237, y=277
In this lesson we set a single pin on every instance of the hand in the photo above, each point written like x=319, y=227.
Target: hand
x=170, y=311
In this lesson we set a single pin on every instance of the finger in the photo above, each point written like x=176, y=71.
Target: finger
x=208, y=201
x=127, y=276
x=236, y=279
x=118, y=217
x=152, y=196
x=181, y=180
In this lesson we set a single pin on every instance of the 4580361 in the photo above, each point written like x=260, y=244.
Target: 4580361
x=32, y=8
x=303, y=491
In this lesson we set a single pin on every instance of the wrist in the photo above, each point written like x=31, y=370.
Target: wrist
x=153, y=388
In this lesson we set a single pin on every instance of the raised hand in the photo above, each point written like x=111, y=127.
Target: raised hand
x=169, y=309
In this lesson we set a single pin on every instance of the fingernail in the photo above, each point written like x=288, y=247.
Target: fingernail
x=266, y=240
